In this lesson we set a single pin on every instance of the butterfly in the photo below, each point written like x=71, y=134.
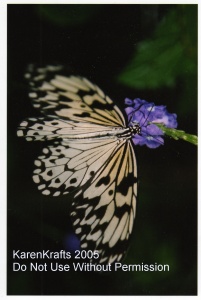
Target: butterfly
x=90, y=155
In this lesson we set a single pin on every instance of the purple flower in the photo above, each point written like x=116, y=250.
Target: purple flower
x=146, y=115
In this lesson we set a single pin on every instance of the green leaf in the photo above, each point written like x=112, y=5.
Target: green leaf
x=169, y=54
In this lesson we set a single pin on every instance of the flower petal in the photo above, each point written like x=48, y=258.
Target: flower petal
x=147, y=115
x=153, y=130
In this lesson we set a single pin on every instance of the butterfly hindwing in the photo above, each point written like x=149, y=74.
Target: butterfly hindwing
x=68, y=165
x=74, y=98
x=104, y=212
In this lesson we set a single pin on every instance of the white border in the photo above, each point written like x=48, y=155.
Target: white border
x=3, y=146
x=3, y=134
x=100, y=2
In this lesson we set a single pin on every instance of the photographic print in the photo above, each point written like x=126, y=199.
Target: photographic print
x=102, y=149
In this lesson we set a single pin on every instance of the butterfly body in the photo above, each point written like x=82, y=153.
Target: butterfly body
x=90, y=154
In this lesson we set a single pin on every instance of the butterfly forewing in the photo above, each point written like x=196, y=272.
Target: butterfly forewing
x=48, y=128
x=74, y=98
x=86, y=157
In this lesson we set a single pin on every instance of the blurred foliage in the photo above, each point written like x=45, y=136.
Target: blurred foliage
x=67, y=15
x=170, y=53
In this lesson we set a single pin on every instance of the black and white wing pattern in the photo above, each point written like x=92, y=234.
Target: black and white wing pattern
x=103, y=211
x=87, y=155
x=73, y=98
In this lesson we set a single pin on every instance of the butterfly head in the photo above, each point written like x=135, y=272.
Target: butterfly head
x=135, y=128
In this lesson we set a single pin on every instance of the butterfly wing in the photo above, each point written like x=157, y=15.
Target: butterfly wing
x=103, y=176
x=68, y=165
x=45, y=129
x=103, y=212
x=73, y=98
x=100, y=171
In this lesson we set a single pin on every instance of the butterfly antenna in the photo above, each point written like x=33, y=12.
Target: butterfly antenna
x=135, y=112
x=147, y=116
x=154, y=137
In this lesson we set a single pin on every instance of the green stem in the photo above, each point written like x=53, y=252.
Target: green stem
x=178, y=134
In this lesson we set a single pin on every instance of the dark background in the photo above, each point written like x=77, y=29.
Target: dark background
x=145, y=51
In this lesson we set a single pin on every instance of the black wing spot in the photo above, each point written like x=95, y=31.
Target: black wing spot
x=66, y=168
x=50, y=173
x=57, y=180
x=91, y=173
x=52, y=160
x=83, y=115
x=54, y=123
x=40, y=127
x=110, y=192
x=99, y=105
x=104, y=180
x=70, y=189
x=73, y=180
x=126, y=183
x=65, y=99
